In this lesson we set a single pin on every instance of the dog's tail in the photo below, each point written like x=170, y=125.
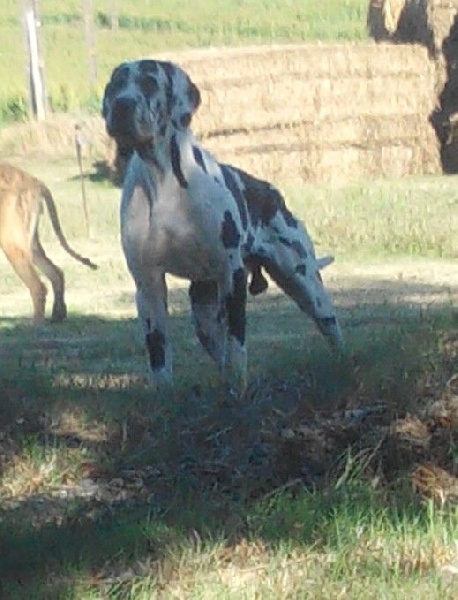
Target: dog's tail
x=55, y=222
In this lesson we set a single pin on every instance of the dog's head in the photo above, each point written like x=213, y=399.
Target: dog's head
x=146, y=100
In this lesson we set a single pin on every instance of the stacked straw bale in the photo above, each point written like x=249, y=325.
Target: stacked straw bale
x=316, y=112
x=433, y=24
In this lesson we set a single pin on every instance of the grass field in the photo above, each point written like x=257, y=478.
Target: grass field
x=149, y=27
x=301, y=489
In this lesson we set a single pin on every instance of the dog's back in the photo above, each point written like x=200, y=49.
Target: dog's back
x=20, y=202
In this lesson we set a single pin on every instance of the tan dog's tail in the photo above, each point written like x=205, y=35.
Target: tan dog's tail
x=47, y=196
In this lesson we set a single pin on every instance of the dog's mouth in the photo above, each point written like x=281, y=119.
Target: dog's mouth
x=129, y=134
x=129, y=124
x=131, y=139
x=330, y=328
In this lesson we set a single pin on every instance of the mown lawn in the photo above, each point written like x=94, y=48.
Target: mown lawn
x=330, y=478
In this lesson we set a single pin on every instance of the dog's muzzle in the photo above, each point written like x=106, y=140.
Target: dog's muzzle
x=330, y=328
x=127, y=122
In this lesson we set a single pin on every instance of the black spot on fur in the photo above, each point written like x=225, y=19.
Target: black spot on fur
x=290, y=285
x=148, y=66
x=199, y=158
x=185, y=120
x=193, y=94
x=148, y=85
x=236, y=192
x=169, y=71
x=262, y=199
x=155, y=343
x=249, y=242
x=285, y=241
x=230, y=235
x=176, y=162
x=301, y=269
x=236, y=306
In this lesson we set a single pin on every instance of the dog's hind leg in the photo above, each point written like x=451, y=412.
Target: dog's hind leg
x=55, y=276
x=151, y=299
x=209, y=320
x=219, y=319
x=22, y=264
x=235, y=303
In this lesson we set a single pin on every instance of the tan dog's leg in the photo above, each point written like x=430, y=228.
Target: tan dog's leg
x=22, y=264
x=55, y=276
x=18, y=220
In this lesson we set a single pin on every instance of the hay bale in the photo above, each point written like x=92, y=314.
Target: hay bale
x=334, y=149
x=282, y=112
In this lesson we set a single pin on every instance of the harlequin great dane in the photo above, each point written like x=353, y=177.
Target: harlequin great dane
x=185, y=214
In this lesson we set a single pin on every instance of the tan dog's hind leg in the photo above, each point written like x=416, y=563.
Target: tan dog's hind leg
x=55, y=276
x=17, y=227
x=22, y=264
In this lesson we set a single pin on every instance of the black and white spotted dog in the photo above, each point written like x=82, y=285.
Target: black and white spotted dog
x=185, y=214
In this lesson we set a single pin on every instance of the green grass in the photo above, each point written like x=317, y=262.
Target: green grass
x=384, y=218
x=110, y=491
x=148, y=27
x=413, y=217
x=350, y=544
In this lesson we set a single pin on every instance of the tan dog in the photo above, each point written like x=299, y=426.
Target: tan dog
x=21, y=198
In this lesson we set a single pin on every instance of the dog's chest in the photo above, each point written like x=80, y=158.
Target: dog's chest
x=179, y=231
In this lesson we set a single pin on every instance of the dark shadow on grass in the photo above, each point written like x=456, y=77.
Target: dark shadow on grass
x=194, y=459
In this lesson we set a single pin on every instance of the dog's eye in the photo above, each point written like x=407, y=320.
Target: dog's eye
x=148, y=86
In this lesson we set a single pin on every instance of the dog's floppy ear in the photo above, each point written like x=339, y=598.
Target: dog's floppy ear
x=185, y=99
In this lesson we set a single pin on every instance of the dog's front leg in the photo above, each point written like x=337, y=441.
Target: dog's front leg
x=151, y=299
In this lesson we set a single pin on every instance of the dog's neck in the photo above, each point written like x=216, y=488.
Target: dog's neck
x=155, y=155
x=172, y=153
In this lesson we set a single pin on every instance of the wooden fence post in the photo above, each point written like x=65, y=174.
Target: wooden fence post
x=37, y=93
x=90, y=43
x=114, y=15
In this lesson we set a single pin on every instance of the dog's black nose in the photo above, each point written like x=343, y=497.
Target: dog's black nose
x=122, y=115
